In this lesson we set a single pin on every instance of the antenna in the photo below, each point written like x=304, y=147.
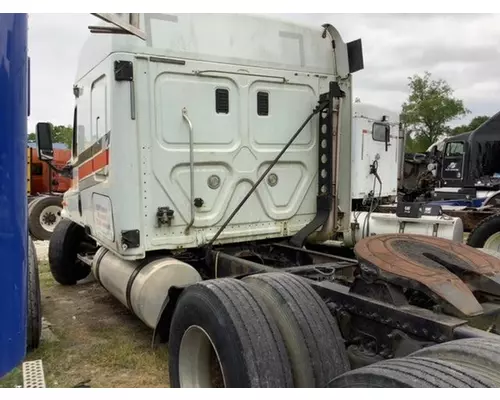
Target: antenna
x=123, y=24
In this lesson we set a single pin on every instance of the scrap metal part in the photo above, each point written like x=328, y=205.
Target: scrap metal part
x=446, y=271
x=33, y=376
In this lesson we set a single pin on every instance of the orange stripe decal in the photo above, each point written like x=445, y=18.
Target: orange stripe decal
x=85, y=169
x=95, y=164
x=100, y=160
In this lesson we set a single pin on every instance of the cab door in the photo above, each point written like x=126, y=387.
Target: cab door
x=453, y=164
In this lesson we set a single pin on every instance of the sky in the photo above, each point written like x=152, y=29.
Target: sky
x=460, y=48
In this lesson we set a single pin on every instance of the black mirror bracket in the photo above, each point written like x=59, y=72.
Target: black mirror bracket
x=66, y=171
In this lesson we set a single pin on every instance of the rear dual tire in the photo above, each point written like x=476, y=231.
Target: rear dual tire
x=269, y=330
x=222, y=336
x=465, y=363
x=311, y=335
x=412, y=372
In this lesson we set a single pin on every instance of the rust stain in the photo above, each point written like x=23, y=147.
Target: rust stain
x=431, y=265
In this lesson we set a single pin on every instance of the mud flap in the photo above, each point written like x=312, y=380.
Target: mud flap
x=162, y=327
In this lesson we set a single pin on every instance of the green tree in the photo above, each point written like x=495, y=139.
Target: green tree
x=475, y=123
x=60, y=134
x=429, y=108
x=416, y=145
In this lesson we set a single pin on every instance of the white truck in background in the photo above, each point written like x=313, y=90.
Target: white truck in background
x=375, y=145
x=377, y=154
x=207, y=163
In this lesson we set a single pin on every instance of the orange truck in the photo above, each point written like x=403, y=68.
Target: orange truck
x=45, y=189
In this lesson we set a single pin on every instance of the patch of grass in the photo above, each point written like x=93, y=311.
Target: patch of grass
x=12, y=379
x=45, y=352
x=98, y=341
x=46, y=279
x=108, y=358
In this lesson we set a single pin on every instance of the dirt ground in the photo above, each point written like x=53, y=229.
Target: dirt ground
x=89, y=337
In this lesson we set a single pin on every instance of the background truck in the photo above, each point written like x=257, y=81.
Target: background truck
x=45, y=187
x=212, y=183
x=459, y=173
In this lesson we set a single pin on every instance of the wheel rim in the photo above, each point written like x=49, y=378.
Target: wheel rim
x=199, y=362
x=493, y=242
x=50, y=217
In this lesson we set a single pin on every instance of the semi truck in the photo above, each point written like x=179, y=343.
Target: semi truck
x=45, y=188
x=459, y=173
x=214, y=177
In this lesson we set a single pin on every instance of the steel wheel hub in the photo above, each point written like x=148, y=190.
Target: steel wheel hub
x=50, y=217
x=199, y=362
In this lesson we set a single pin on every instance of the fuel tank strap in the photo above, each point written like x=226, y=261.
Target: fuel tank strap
x=443, y=269
x=130, y=283
x=97, y=263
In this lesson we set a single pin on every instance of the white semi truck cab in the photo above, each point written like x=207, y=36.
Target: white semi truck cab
x=171, y=132
x=211, y=152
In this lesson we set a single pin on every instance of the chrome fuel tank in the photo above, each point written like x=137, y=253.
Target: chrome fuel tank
x=142, y=285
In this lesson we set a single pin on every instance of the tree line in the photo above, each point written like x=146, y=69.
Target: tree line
x=60, y=134
x=429, y=109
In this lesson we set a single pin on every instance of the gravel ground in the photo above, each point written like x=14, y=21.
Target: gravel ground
x=42, y=249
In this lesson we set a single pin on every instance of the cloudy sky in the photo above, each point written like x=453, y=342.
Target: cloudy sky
x=461, y=48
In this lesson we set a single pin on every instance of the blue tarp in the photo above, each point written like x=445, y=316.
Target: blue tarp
x=13, y=203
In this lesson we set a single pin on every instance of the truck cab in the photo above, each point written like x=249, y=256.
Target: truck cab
x=470, y=167
x=376, y=152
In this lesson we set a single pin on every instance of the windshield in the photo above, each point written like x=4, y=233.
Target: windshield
x=487, y=160
x=454, y=149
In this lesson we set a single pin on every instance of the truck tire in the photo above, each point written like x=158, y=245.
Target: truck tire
x=64, y=245
x=486, y=234
x=311, y=334
x=34, y=312
x=43, y=216
x=481, y=355
x=30, y=203
x=411, y=372
x=222, y=335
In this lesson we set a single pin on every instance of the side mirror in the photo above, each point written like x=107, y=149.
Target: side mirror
x=44, y=141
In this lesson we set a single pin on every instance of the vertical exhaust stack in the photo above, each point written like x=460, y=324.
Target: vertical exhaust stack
x=348, y=60
x=401, y=153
